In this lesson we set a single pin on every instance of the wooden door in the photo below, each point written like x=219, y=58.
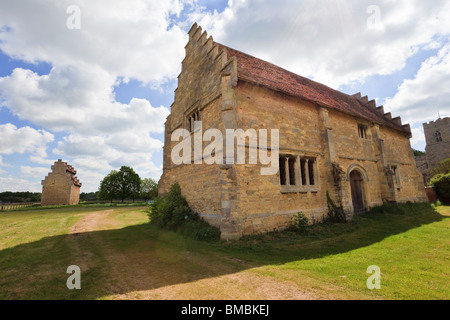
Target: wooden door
x=356, y=184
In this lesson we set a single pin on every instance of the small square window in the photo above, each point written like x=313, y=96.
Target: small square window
x=362, y=131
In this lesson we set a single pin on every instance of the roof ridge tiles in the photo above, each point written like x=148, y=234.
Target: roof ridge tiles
x=267, y=74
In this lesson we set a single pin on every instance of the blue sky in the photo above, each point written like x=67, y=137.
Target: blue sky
x=94, y=89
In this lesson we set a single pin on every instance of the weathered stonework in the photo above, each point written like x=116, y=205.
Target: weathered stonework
x=329, y=143
x=423, y=166
x=61, y=186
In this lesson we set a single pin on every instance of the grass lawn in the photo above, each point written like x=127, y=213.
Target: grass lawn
x=121, y=256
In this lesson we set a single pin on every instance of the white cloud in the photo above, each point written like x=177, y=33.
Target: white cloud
x=82, y=104
x=76, y=100
x=13, y=184
x=41, y=160
x=329, y=42
x=418, y=138
x=133, y=39
x=23, y=140
x=420, y=99
x=37, y=173
x=3, y=164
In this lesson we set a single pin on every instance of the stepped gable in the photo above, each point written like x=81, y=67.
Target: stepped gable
x=61, y=186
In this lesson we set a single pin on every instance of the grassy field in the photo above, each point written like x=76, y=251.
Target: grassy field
x=122, y=257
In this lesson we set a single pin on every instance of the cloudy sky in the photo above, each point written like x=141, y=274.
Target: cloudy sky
x=91, y=82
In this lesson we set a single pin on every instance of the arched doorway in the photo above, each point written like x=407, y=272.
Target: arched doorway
x=357, y=188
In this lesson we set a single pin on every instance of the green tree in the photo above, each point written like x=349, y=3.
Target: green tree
x=418, y=153
x=88, y=196
x=36, y=197
x=130, y=183
x=109, y=186
x=122, y=184
x=441, y=183
x=149, y=188
x=443, y=167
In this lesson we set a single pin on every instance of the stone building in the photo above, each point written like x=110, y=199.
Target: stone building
x=61, y=186
x=437, y=136
x=329, y=142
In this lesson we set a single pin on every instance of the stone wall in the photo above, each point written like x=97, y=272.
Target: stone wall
x=399, y=152
x=328, y=136
x=205, y=84
x=423, y=166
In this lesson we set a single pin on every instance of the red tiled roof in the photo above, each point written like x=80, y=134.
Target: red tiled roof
x=70, y=169
x=269, y=75
x=76, y=181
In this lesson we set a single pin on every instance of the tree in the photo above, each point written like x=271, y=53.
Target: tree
x=130, y=183
x=443, y=167
x=149, y=188
x=418, y=153
x=122, y=184
x=441, y=183
x=109, y=186
x=36, y=197
x=88, y=196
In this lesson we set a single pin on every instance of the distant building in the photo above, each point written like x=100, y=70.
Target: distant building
x=437, y=136
x=61, y=186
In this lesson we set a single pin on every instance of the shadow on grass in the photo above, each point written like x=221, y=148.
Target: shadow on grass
x=140, y=257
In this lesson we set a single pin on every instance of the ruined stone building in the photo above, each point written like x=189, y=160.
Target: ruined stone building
x=437, y=137
x=61, y=186
x=329, y=142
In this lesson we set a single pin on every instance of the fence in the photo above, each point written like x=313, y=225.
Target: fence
x=117, y=201
x=11, y=206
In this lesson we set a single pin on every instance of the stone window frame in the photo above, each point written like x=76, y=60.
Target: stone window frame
x=396, y=177
x=190, y=116
x=362, y=131
x=302, y=176
x=438, y=136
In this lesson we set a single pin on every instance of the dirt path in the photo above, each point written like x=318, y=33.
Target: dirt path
x=94, y=221
x=159, y=273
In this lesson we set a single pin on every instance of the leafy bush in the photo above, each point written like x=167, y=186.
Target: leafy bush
x=335, y=213
x=299, y=223
x=441, y=184
x=443, y=167
x=172, y=212
x=436, y=204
